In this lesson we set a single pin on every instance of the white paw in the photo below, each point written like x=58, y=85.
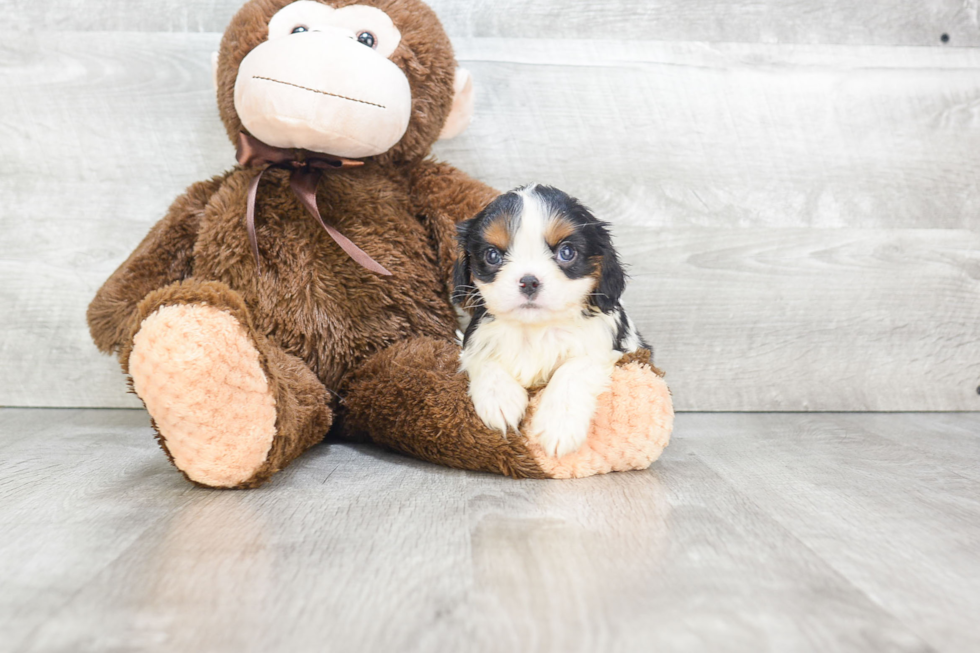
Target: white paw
x=500, y=402
x=560, y=426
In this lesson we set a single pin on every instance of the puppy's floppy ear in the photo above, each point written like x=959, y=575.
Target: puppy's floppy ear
x=462, y=274
x=612, y=278
x=462, y=279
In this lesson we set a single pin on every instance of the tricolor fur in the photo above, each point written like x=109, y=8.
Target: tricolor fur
x=539, y=276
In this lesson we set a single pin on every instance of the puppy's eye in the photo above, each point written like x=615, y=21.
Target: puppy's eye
x=368, y=39
x=566, y=253
x=492, y=257
x=299, y=29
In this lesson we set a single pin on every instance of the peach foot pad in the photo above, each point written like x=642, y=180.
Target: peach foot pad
x=199, y=375
x=630, y=430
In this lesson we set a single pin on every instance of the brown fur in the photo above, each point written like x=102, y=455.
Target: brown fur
x=164, y=256
x=303, y=404
x=643, y=357
x=412, y=398
x=321, y=322
x=596, y=272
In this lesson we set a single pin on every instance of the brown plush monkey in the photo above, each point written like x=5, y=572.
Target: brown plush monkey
x=303, y=290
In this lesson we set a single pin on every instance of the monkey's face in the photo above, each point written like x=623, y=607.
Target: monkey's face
x=323, y=81
x=351, y=80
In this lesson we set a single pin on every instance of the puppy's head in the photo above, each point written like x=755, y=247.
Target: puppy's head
x=534, y=255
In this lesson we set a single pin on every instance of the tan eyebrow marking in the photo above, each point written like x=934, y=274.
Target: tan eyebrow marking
x=497, y=233
x=558, y=229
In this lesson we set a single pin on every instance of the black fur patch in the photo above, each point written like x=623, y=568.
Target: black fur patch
x=624, y=332
x=593, y=244
x=473, y=248
x=480, y=315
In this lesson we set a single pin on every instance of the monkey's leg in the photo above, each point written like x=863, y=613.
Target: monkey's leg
x=230, y=408
x=411, y=398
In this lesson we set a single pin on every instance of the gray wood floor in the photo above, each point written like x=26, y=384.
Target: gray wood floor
x=755, y=532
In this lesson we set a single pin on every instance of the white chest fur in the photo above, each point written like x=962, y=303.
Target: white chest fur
x=532, y=352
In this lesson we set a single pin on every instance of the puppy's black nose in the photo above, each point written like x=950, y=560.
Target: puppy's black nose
x=529, y=285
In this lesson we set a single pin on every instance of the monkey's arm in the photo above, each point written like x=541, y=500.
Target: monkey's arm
x=164, y=256
x=440, y=188
x=443, y=196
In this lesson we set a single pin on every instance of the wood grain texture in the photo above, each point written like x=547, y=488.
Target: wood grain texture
x=880, y=22
x=76, y=488
x=807, y=319
x=724, y=136
x=850, y=493
x=782, y=532
x=92, y=125
x=946, y=439
x=102, y=130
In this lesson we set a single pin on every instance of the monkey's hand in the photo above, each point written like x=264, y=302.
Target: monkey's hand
x=165, y=256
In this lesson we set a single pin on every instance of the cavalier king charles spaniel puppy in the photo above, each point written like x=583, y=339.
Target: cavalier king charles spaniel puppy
x=541, y=283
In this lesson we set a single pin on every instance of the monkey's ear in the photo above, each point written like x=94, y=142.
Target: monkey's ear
x=214, y=68
x=461, y=114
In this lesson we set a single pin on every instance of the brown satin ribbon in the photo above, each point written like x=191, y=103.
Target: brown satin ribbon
x=307, y=168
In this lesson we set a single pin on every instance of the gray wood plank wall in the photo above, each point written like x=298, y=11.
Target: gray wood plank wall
x=871, y=22
x=793, y=183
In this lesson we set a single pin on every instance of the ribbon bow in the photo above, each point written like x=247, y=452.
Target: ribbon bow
x=307, y=168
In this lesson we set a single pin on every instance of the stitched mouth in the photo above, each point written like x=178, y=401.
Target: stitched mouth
x=313, y=90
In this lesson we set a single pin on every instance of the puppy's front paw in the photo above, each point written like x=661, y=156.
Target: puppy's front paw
x=499, y=401
x=560, y=426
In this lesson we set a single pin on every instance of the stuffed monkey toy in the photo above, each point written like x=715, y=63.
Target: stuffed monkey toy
x=308, y=289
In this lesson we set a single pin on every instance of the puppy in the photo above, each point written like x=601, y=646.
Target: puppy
x=539, y=277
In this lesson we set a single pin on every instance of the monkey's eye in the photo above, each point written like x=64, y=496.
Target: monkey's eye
x=492, y=257
x=368, y=39
x=299, y=29
x=566, y=253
